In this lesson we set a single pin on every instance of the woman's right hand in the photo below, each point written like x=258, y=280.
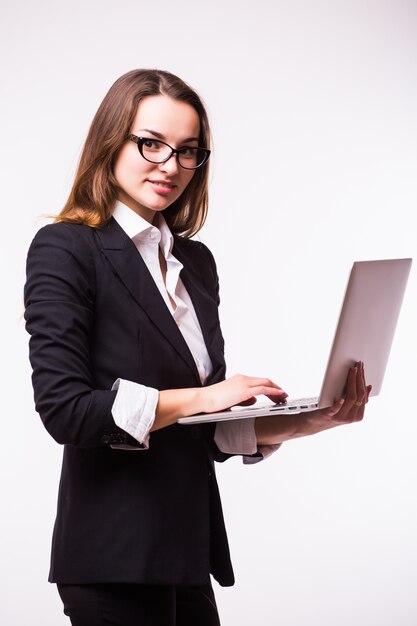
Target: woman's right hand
x=239, y=390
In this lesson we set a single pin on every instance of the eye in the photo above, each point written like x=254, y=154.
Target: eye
x=188, y=153
x=151, y=144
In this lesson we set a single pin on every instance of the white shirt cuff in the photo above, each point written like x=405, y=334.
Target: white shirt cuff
x=239, y=437
x=134, y=409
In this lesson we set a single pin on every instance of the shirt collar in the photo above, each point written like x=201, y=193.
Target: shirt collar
x=139, y=229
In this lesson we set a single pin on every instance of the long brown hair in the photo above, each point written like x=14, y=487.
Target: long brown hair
x=95, y=187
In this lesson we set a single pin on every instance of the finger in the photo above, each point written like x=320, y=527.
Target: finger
x=247, y=402
x=360, y=383
x=356, y=401
x=336, y=407
x=359, y=393
x=281, y=399
x=351, y=387
x=351, y=409
x=363, y=402
x=362, y=392
x=253, y=381
x=267, y=391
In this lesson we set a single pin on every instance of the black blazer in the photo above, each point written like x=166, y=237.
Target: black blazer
x=95, y=314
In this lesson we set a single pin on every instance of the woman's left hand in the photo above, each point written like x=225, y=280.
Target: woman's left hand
x=346, y=410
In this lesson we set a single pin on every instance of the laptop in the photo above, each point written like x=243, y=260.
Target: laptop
x=364, y=332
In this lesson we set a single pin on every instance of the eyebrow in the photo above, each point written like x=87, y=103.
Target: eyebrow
x=161, y=136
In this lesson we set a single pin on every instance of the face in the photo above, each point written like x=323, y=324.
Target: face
x=148, y=188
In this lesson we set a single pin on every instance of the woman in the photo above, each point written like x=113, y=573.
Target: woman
x=122, y=309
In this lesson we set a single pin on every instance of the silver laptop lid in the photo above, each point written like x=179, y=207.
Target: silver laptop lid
x=366, y=325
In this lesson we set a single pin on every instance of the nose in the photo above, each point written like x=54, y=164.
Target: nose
x=171, y=165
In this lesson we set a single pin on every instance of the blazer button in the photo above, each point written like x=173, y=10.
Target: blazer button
x=196, y=432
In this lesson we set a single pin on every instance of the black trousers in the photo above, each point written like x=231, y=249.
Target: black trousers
x=125, y=604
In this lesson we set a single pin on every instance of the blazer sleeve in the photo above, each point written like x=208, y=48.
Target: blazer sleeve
x=59, y=313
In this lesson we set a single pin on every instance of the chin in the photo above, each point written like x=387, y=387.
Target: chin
x=161, y=206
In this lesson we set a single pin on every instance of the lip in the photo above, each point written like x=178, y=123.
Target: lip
x=163, y=183
x=162, y=187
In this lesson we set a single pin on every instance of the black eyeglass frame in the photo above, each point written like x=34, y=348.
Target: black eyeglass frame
x=139, y=141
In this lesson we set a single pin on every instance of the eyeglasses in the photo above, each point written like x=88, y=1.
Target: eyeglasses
x=156, y=151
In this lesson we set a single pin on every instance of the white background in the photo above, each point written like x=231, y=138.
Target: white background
x=313, y=107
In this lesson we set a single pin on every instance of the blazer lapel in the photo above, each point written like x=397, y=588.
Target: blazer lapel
x=206, y=308
x=128, y=264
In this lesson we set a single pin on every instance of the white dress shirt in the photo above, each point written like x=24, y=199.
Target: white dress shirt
x=134, y=407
